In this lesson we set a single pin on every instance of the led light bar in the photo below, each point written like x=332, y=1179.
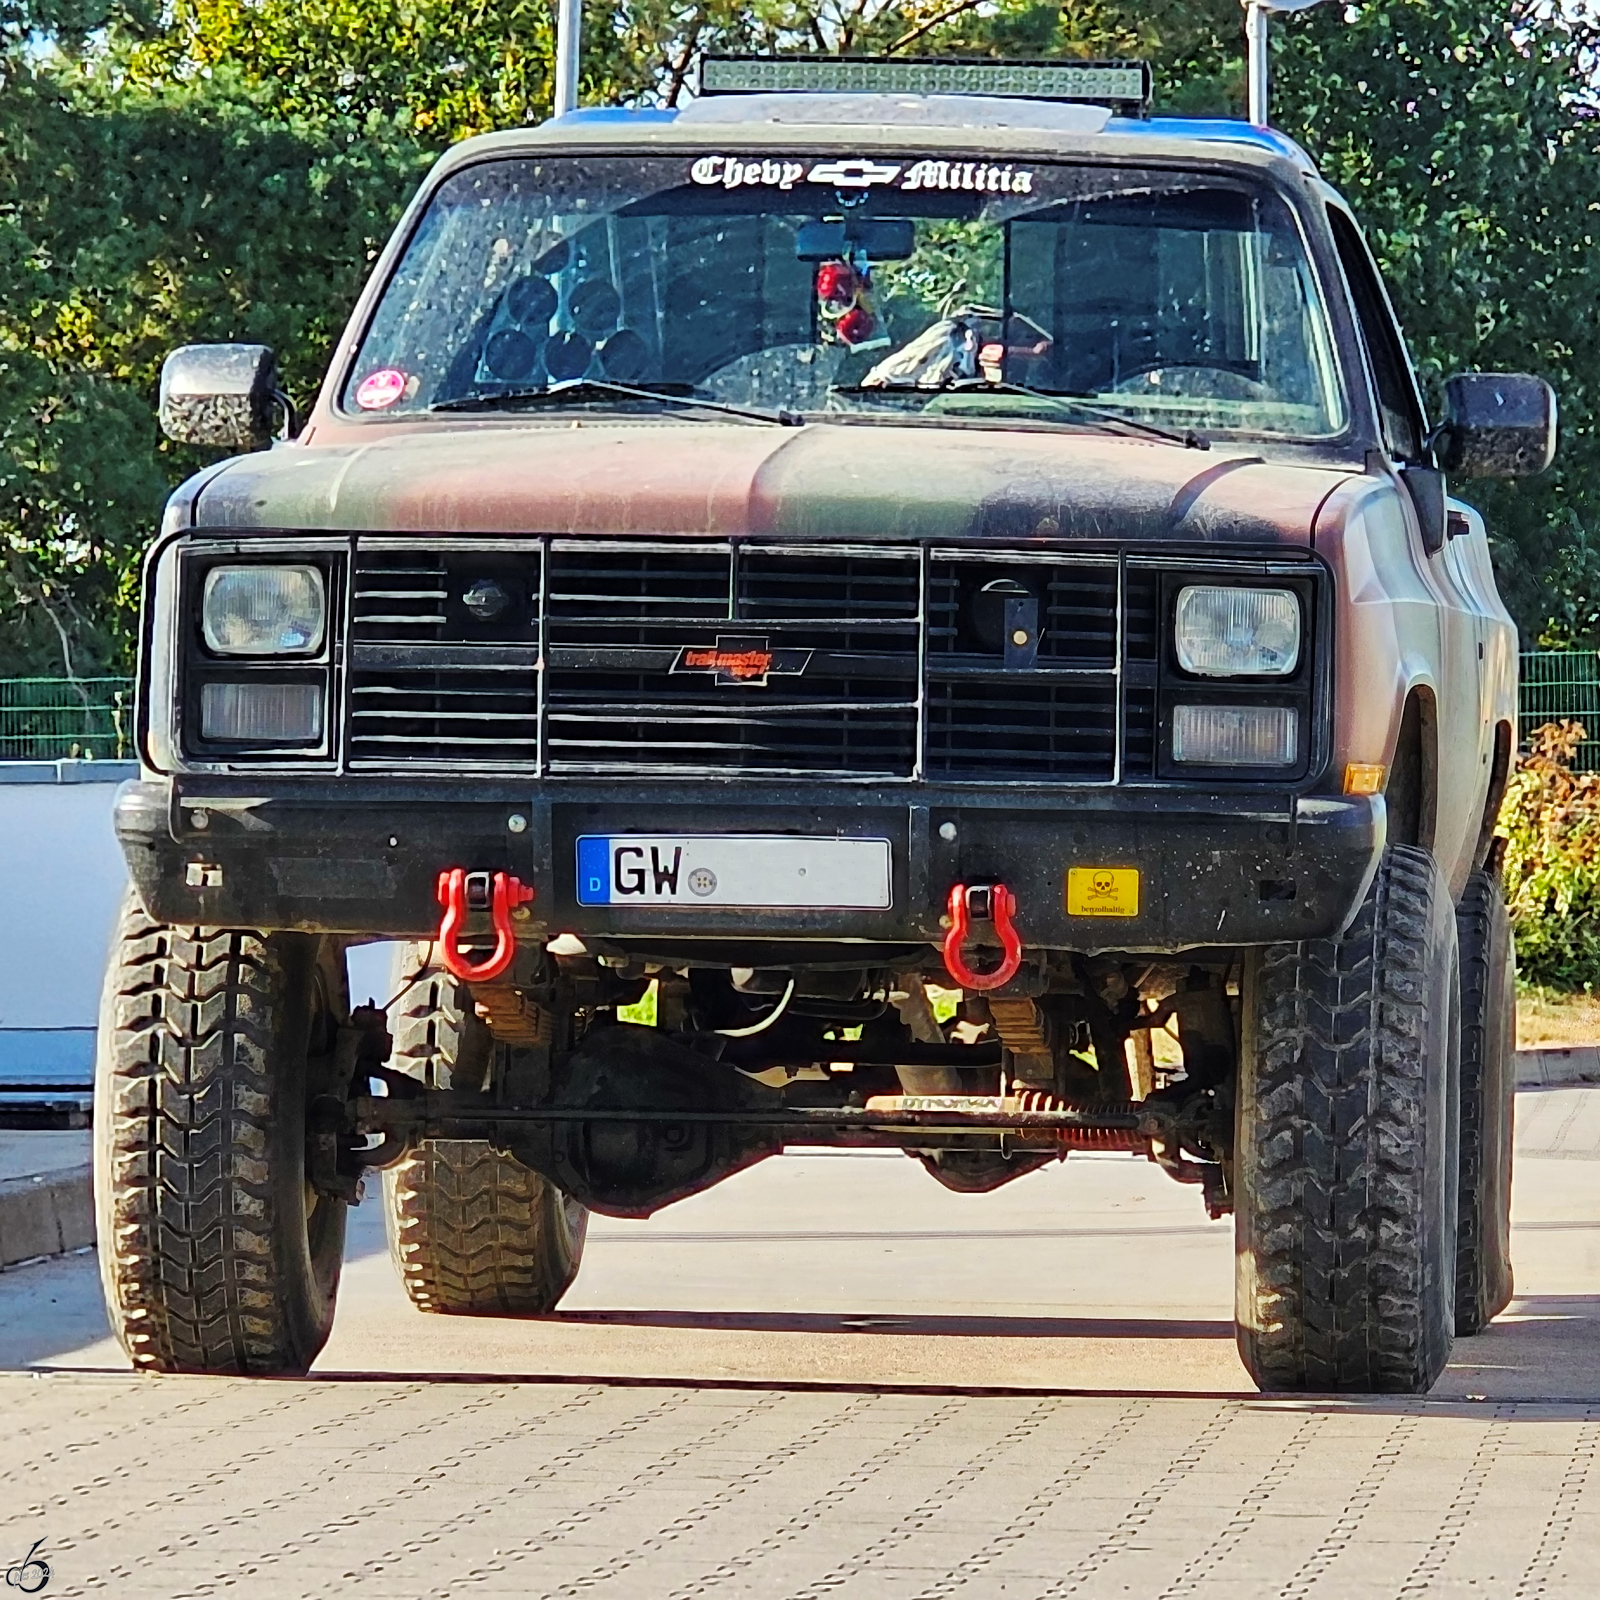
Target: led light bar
x=1121, y=84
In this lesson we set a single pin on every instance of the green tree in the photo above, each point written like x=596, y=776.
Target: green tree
x=229, y=168
x=1467, y=140
x=134, y=218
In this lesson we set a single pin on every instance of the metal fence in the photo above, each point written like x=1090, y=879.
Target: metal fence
x=1558, y=685
x=51, y=719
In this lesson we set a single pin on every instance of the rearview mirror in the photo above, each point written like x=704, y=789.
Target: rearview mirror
x=1497, y=425
x=219, y=394
x=882, y=238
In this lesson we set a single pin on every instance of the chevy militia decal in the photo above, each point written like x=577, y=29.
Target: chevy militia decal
x=971, y=177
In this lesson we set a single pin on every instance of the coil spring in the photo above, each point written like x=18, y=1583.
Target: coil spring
x=1129, y=1139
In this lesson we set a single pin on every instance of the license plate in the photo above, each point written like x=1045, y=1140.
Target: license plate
x=740, y=869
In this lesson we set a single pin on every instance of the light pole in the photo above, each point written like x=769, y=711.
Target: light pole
x=569, y=49
x=1256, y=13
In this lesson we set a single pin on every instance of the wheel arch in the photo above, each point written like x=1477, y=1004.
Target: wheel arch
x=1412, y=790
x=1499, y=776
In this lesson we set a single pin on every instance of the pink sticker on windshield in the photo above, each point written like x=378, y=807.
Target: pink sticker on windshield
x=381, y=389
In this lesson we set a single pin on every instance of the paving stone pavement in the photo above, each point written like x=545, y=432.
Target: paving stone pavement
x=827, y=1379
x=193, y=1487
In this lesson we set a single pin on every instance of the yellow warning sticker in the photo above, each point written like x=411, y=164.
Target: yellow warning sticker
x=1102, y=891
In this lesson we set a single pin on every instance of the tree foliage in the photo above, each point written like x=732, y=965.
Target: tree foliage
x=229, y=168
x=1551, y=820
x=134, y=218
x=1467, y=138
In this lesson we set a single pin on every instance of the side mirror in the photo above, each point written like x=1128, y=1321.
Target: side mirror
x=219, y=394
x=1497, y=425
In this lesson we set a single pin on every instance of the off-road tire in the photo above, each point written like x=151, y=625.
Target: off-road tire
x=472, y=1231
x=1346, y=1158
x=215, y=1254
x=1488, y=1090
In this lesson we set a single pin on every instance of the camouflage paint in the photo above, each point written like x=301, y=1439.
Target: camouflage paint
x=845, y=481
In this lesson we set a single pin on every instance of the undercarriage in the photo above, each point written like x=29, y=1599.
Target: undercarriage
x=721, y=1067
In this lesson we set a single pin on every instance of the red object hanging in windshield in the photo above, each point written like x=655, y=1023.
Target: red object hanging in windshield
x=836, y=283
x=856, y=326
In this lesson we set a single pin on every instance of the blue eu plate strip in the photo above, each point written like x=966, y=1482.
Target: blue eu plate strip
x=594, y=871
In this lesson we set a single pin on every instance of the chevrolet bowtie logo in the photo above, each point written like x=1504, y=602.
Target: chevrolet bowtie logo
x=738, y=658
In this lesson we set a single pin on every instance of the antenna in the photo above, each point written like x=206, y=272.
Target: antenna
x=569, y=53
x=1256, y=13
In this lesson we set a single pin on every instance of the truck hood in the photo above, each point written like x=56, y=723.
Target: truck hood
x=822, y=481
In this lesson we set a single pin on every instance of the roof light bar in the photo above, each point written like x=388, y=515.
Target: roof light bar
x=1121, y=84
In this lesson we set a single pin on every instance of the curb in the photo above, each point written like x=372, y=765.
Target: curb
x=47, y=1215
x=1553, y=1068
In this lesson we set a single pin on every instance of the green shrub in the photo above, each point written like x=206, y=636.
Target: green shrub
x=1551, y=823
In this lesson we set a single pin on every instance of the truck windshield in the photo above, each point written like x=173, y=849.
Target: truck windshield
x=970, y=289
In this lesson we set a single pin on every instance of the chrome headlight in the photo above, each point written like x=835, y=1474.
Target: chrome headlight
x=264, y=611
x=1225, y=632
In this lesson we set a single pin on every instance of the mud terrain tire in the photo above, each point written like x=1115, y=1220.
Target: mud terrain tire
x=215, y=1254
x=1346, y=1153
x=1488, y=1089
x=472, y=1231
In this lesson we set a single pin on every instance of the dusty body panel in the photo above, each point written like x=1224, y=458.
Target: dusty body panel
x=819, y=482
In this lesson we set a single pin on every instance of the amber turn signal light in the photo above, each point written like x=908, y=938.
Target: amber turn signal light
x=1363, y=777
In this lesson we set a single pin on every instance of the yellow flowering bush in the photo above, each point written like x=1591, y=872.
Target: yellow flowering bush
x=1551, y=823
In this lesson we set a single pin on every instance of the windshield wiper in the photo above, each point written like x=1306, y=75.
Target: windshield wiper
x=1189, y=439
x=1084, y=409
x=578, y=390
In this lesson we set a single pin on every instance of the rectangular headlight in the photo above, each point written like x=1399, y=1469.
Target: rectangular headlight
x=261, y=713
x=1225, y=633
x=1236, y=736
x=264, y=611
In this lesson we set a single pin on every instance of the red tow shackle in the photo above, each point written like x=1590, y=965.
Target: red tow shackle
x=997, y=904
x=459, y=892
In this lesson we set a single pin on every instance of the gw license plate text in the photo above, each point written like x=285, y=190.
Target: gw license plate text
x=776, y=872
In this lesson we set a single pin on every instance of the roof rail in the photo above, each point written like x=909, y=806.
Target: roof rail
x=1122, y=85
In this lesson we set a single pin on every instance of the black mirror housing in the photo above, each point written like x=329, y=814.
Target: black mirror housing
x=219, y=394
x=1497, y=425
x=881, y=238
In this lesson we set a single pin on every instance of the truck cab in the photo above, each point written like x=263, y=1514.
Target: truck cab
x=828, y=616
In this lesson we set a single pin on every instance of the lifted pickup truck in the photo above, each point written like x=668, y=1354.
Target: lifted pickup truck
x=879, y=531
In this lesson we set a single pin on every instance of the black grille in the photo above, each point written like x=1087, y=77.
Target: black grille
x=1142, y=613
x=841, y=588
x=761, y=660
x=1051, y=720
x=662, y=657
x=431, y=684
x=1049, y=732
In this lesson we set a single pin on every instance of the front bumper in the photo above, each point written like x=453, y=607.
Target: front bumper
x=359, y=856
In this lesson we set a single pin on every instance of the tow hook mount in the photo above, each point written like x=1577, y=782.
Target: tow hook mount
x=461, y=893
x=982, y=902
